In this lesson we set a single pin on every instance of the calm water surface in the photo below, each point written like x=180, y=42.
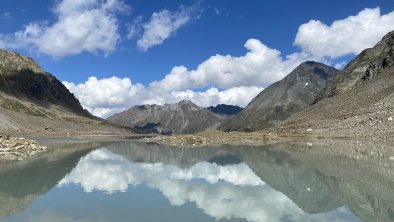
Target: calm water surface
x=130, y=181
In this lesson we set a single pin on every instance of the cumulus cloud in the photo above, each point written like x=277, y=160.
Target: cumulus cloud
x=260, y=66
x=225, y=79
x=105, y=96
x=347, y=36
x=162, y=25
x=229, y=79
x=84, y=25
x=239, y=96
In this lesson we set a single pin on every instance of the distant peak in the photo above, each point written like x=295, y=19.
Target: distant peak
x=312, y=64
x=186, y=102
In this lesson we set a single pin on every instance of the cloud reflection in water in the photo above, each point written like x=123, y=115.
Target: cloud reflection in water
x=229, y=191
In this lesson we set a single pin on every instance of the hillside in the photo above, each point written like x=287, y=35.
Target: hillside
x=358, y=102
x=283, y=98
x=184, y=117
x=34, y=101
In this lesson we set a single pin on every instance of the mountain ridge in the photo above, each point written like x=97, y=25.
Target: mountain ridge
x=281, y=99
x=182, y=117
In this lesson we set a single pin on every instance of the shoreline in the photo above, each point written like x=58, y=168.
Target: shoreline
x=354, y=148
x=213, y=137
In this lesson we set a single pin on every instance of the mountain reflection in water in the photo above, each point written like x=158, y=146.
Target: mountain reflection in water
x=129, y=181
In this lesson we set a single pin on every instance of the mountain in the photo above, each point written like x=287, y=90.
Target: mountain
x=23, y=78
x=366, y=66
x=33, y=100
x=283, y=98
x=223, y=109
x=358, y=102
x=184, y=117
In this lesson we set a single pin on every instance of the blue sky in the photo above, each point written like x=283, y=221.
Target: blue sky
x=198, y=30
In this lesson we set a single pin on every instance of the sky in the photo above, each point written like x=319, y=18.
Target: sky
x=113, y=54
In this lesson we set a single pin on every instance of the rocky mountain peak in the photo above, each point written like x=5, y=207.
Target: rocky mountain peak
x=16, y=62
x=368, y=64
x=316, y=68
x=186, y=102
x=283, y=98
x=182, y=117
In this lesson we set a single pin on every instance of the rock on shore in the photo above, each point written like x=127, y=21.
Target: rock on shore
x=12, y=148
x=213, y=138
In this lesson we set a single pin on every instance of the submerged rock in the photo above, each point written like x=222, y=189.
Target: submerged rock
x=12, y=148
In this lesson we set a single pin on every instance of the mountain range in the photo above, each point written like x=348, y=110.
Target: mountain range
x=313, y=99
x=273, y=105
x=184, y=117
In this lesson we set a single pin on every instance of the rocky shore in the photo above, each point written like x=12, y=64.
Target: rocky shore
x=215, y=138
x=12, y=148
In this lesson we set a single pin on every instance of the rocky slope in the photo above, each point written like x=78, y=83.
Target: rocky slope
x=227, y=110
x=24, y=79
x=184, y=117
x=32, y=100
x=283, y=98
x=358, y=102
x=366, y=66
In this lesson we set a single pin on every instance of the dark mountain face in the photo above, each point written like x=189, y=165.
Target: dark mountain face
x=24, y=79
x=183, y=117
x=223, y=109
x=283, y=98
x=366, y=66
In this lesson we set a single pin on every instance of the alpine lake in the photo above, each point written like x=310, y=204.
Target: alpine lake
x=126, y=180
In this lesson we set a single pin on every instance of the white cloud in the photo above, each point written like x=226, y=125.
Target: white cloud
x=236, y=80
x=348, y=36
x=227, y=79
x=162, y=25
x=239, y=96
x=106, y=96
x=83, y=25
x=260, y=66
